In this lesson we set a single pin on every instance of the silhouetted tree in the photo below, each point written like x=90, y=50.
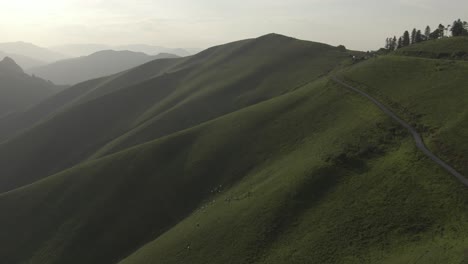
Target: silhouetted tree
x=394, y=43
x=435, y=34
x=391, y=43
x=419, y=36
x=458, y=28
x=413, y=36
x=406, y=39
x=387, y=43
x=441, y=29
x=400, y=43
x=427, y=32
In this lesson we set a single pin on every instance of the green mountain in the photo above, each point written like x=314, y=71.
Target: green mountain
x=184, y=93
x=96, y=65
x=245, y=153
x=18, y=90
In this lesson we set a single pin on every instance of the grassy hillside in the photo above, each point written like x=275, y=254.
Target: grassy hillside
x=80, y=94
x=445, y=48
x=192, y=91
x=245, y=153
x=248, y=73
x=431, y=94
x=316, y=175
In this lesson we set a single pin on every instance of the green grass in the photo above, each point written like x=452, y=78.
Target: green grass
x=103, y=117
x=430, y=94
x=445, y=48
x=80, y=94
x=310, y=173
x=317, y=175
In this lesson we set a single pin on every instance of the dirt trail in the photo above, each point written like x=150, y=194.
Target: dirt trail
x=417, y=137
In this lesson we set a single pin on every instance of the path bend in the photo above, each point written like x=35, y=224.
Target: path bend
x=417, y=137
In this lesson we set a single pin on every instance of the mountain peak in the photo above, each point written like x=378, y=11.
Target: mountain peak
x=10, y=65
x=275, y=36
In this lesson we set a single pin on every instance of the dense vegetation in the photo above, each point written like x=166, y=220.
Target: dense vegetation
x=244, y=153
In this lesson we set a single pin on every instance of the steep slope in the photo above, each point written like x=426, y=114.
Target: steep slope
x=99, y=64
x=19, y=90
x=194, y=90
x=318, y=175
x=32, y=51
x=287, y=167
x=245, y=74
x=80, y=94
x=431, y=94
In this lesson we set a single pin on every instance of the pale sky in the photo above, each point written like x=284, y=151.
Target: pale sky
x=357, y=24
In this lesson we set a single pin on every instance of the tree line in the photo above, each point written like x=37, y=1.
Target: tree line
x=457, y=28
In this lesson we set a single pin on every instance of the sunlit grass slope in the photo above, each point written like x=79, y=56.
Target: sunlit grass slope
x=318, y=175
x=430, y=94
x=104, y=117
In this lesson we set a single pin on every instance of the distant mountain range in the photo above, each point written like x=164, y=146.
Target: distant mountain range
x=24, y=62
x=32, y=51
x=18, y=90
x=76, y=50
x=28, y=55
x=99, y=64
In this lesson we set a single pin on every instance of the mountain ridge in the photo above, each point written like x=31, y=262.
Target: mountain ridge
x=189, y=87
x=99, y=64
x=31, y=50
x=244, y=153
x=9, y=65
x=19, y=91
x=78, y=50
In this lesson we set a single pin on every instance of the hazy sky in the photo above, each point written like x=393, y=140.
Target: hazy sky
x=202, y=23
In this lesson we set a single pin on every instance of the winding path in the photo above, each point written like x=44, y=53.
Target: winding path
x=417, y=137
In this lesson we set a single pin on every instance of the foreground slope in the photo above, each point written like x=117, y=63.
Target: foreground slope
x=430, y=94
x=109, y=118
x=318, y=175
x=312, y=174
x=99, y=64
x=18, y=90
